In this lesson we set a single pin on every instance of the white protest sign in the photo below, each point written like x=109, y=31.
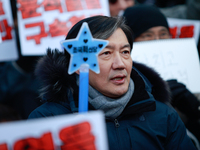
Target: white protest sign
x=8, y=47
x=172, y=59
x=63, y=132
x=44, y=23
x=184, y=28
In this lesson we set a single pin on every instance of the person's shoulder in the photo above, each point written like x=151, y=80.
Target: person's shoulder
x=49, y=109
x=169, y=114
x=176, y=129
x=167, y=111
x=165, y=107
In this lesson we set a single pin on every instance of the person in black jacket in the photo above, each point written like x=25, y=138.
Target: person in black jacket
x=132, y=96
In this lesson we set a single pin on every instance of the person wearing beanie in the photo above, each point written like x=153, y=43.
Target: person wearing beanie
x=148, y=23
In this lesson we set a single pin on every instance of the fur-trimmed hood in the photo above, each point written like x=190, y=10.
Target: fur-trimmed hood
x=56, y=83
x=160, y=88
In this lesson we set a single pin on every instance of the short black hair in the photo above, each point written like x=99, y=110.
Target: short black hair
x=102, y=27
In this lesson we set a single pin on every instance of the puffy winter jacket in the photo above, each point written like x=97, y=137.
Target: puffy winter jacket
x=147, y=122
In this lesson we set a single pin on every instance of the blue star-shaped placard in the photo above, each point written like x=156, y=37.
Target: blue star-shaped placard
x=84, y=49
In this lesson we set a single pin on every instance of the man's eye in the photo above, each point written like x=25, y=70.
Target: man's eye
x=148, y=35
x=126, y=52
x=106, y=53
x=164, y=34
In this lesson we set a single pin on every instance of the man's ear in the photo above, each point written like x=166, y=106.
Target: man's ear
x=77, y=71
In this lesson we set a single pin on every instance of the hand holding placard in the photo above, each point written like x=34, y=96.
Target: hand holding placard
x=84, y=50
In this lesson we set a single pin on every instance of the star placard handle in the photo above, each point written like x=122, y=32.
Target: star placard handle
x=84, y=50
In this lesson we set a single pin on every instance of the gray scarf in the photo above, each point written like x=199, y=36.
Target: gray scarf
x=111, y=107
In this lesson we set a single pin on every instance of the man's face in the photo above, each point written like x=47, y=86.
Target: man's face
x=116, y=6
x=154, y=33
x=115, y=67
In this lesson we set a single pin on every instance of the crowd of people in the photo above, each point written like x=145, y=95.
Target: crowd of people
x=162, y=114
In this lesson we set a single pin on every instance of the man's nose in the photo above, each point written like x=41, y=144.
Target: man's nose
x=157, y=37
x=118, y=62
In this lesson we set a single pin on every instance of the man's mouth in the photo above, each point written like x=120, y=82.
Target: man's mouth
x=118, y=80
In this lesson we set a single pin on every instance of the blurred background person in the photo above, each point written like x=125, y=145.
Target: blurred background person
x=117, y=6
x=180, y=9
x=148, y=23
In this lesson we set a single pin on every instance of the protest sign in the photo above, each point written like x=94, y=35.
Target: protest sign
x=8, y=47
x=184, y=28
x=44, y=23
x=172, y=59
x=72, y=131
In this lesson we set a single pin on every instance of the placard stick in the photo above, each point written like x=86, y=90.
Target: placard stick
x=83, y=87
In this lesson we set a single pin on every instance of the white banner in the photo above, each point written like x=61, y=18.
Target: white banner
x=73, y=131
x=44, y=23
x=8, y=47
x=172, y=59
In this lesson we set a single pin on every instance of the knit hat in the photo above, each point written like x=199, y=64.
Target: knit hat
x=142, y=17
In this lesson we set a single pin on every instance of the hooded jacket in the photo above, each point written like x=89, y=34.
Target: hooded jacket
x=147, y=121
